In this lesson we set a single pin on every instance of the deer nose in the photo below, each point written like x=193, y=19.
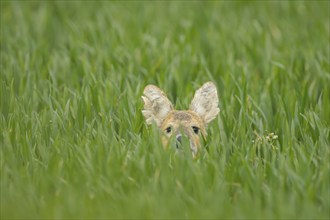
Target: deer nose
x=178, y=140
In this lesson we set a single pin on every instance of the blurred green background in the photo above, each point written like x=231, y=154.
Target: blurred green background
x=73, y=140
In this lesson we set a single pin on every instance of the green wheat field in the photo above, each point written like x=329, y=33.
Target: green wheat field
x=74, y=143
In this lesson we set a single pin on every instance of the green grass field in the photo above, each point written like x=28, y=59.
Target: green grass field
x=74, y=143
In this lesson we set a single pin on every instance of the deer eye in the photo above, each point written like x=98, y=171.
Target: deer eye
x=195, y=129
x=168, y=130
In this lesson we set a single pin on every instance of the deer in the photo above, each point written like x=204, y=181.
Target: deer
x=191, y=123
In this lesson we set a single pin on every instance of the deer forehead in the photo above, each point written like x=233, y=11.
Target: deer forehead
x=182, y=118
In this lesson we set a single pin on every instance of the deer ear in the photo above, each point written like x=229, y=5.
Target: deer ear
x=205, y=102
x=156, y=105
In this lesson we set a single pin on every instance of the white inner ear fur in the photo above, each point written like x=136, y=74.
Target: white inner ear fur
x=156, y=105
x=205, y=102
